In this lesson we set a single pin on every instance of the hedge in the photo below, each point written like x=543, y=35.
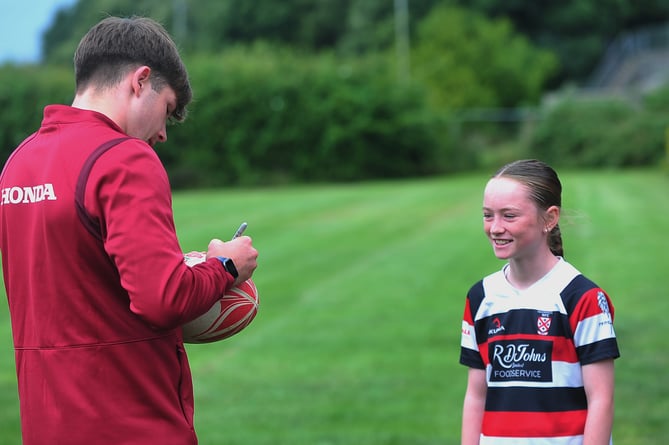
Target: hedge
x=265, y=115
x=601, y=132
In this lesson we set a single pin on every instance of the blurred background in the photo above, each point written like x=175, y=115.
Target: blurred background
x=302, y=91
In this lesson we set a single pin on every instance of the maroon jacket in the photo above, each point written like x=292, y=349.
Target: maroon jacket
x=98, y=348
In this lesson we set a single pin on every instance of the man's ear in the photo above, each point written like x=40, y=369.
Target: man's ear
x=140, y=79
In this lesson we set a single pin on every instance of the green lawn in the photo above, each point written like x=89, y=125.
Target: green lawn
x=362, y=290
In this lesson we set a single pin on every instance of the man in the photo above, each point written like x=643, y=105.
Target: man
x=95, y=278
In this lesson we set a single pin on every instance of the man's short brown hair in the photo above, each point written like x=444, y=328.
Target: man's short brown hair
x=116, y=45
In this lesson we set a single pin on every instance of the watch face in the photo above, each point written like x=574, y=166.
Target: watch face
x=230, y=267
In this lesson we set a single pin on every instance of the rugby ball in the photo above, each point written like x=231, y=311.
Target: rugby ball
x=235, y=310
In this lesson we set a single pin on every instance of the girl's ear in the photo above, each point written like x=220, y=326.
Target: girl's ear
x=552, y=216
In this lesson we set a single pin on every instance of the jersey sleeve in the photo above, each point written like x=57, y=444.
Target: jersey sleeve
x=129, y=193
x=469, y=351
x=592, y=324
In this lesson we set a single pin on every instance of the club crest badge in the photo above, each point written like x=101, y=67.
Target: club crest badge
x=544, y=323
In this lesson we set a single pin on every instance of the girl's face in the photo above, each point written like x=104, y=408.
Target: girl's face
x=512, y=220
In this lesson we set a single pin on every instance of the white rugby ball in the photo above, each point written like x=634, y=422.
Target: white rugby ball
x=235, y=310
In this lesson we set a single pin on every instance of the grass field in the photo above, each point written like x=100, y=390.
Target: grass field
x=362, y=289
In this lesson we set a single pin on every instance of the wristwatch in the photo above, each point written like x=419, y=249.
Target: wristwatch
x=229, y=266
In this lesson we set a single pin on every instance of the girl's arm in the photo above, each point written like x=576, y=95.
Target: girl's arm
x=474, y=405
x=598, y=381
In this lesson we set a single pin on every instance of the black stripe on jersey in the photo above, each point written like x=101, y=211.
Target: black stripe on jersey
x=475, y=296
x=535, y=399
x=572, y=292
x=523, y=321
x=471, y=358
x=597, y=351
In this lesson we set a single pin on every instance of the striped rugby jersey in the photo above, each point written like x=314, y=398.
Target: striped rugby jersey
x=532, y=344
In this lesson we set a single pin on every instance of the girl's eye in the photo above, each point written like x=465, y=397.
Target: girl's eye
x=509, y=215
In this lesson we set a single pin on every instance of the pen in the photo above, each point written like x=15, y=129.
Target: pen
x=239, y=231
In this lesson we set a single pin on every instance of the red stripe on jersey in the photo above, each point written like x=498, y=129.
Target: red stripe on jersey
x=564, y=350
x=530, y=424
x=588, y=306
x=468, y=315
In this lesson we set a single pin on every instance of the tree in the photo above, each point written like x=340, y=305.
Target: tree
x=70, y=24
x=209, y=26
x=578, y=31
x=468, y=60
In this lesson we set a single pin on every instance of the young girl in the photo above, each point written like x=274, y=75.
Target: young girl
x=537, y=335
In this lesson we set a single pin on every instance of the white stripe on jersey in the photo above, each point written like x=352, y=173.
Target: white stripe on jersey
x=544, y=295
x=563, y=440
x=591, y=329
x=468, y=337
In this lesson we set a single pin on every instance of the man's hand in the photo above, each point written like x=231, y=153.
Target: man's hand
x=240, y=250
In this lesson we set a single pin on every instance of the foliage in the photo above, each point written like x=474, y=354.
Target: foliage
x=470, y=61
x=346, y=26
x=61, y=38
x=577, y=31
x=24, y=91
x=657, y=101
x=599, y=133
x=304, y=91
x=264, y=114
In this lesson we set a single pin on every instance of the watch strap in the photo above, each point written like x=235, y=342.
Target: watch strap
x=228, y=265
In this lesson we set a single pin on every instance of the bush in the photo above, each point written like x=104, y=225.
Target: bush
x=468, y=60
x=599, y=133
x=267, y=115
x=24, y=91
